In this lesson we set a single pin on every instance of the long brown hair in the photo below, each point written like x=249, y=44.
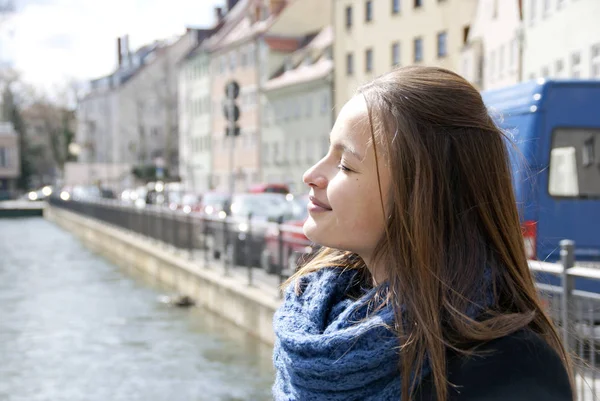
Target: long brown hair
x=452, y=213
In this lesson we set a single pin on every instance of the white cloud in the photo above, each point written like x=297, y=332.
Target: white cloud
x=50, y=41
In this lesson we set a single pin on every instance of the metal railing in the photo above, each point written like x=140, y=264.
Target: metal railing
x=576, y=312
x=266, y=253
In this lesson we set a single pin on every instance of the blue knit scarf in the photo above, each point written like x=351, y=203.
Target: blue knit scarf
x=330, y=346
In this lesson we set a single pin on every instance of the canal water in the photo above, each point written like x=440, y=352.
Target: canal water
x=74, y=327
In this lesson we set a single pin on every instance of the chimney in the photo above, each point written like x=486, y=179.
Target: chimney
x=219, y=14
x=231, y=4
x=119, y=52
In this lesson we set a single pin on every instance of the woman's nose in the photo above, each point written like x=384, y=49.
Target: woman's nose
x=314, y=178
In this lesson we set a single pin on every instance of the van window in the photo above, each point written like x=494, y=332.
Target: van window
x=575, y=163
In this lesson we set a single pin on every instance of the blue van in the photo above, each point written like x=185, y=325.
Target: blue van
x=556, y=162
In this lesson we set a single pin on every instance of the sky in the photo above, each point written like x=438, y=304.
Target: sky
x=53, y=41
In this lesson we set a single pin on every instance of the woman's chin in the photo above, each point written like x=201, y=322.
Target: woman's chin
x=311, y=230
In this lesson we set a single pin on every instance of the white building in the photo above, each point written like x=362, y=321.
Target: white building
x=374, y=36
x=562, y=39
x=129, y=118
x=492, y=56
x=298, y=114
x=148, y=126
x=195, y=156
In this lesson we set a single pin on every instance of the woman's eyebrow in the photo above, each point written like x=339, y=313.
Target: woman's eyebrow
x=345, y=148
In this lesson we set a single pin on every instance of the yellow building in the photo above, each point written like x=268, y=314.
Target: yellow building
x=373, y=36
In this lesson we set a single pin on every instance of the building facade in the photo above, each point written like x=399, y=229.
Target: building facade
x=562, y=39
x=492, y=57
x=297, y=104
x=103, y=147
x=195, y=156
x=148, y=106
x=237, y=51
x=372, y=37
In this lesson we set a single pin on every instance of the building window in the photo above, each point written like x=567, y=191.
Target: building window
x=514, y=48
x=369, y=60
x=349, y=64
x=308, y=148
x=576, y=65
x=325, y=103
x=222, y=63
x=251, y=53
x=349, y=17
x=532, y=7
x=368, y=11
x=418, y=3
x=559, y=66
x=418, y=50
x=287, y=110
x=3, y=157
x=266, y=114
x=395, y=54
x=298, y=151
x=243, y=58
x=595, y=70
x=395, y=6
x=275, y=156
x=308, y=106
x=232, y=60
x=501, y=61
x=547, y=4
x=266, y=158
x=466, y=30
x=493, y=65
x=442, y=48
x=297, y=109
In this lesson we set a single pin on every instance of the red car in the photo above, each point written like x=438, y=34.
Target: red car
x=295, y=244
x=270, y=188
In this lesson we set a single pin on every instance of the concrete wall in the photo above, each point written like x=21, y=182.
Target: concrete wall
x=247, y=307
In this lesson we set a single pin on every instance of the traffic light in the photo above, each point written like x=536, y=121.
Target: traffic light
x=231, y=109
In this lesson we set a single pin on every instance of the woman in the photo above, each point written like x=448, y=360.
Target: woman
x=422, y=289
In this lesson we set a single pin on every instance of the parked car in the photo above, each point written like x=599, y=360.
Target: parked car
x=295, y=245
x=190, y=203
x=213, y=203
x=270, y=188
x=39, y=194
x=214, y=207
x=247, y=225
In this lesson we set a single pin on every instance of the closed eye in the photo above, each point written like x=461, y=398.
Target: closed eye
x=344, y=168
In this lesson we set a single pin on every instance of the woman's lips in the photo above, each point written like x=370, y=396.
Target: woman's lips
x=315, y=206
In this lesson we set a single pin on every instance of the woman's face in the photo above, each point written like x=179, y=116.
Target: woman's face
x=345, y=211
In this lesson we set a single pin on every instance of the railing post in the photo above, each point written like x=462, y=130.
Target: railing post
x=190, y=235
x=205, y=222
x=280, y=250
x=247, y=249
x=224, y=254
x=567, y=257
